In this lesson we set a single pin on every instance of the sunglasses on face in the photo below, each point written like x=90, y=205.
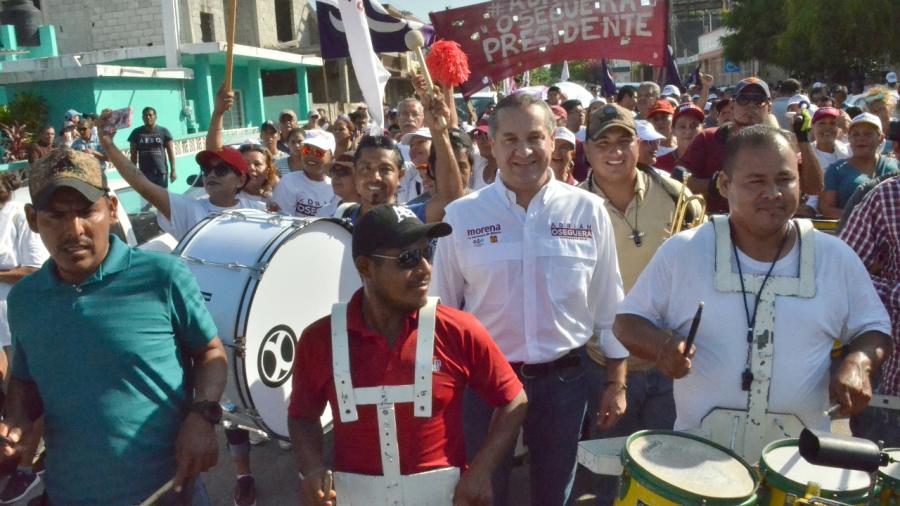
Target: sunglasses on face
x=312, y=150
x=218, y=170
x=411, y=258
x=745, y=100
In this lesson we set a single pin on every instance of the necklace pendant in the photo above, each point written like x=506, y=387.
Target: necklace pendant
x=637, y=236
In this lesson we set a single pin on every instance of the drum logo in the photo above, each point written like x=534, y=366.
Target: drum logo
x=276, y=356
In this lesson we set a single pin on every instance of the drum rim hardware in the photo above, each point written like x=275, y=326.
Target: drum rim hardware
x=633, y=469
x=785, y=484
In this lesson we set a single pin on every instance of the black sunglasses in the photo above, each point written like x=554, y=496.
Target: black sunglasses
x=745, y=100
x=411, y=258
x=218, y=170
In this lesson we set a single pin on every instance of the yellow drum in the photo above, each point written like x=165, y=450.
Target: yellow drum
x=825, y=225
x=666, y=468
x=889, y=480
x=786, y=476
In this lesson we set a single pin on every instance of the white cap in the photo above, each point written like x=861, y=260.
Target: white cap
x=868, y=118
x=891, y=77
x=422, y=132
x=713, y=97
x=799, y=97
x=646, y=132
x=598, y=100
x=563, y=133
x=818, y=84
x=670, y=90
x=320, y=139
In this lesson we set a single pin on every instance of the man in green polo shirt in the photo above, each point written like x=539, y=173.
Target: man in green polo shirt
x=114, y=346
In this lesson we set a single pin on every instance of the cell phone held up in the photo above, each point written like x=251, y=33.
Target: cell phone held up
x=119, y=119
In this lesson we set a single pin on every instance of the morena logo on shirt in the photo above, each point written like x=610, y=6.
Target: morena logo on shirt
x=571, y=231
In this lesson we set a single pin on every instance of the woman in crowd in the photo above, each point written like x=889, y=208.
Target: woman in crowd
x=843, y=177
x=262, y=174
x=687, y=123
x=294, y=160
x=345, y=137
x=880, y=101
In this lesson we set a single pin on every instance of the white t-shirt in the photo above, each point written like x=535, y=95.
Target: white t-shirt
x=841, y=152
x=682, y=273
x=187, y=211
x=411, y=185
x=478, y=173
x=298, y=195
x=19, y=246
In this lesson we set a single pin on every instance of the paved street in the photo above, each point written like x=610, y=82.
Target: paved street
x=277, y=484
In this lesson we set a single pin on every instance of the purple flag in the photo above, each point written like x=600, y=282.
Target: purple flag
x=386, y=31
x=671, y=71
x=608, y=85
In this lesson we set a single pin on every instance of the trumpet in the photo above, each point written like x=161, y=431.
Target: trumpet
x=681, y=210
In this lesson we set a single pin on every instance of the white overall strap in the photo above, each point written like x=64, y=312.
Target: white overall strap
x=340, y=363
x=389, y=394
x=424, y=357
x=807, y=231
x=390, y=452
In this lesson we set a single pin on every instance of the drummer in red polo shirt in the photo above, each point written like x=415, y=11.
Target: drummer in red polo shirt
x=393, y=364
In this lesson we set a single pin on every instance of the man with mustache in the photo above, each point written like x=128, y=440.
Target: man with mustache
x=778, y=299
x=378, y=167
x=398, y=446
x=114, y=347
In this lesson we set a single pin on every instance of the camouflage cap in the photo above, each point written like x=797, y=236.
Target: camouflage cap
x=66, y=167
x=608, y=116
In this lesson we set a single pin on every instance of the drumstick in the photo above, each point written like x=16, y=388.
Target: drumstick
x=327, y=484
x=229, y=53
x=832, y=410
x=693, y=332
x=159, y=493
x=414, y=42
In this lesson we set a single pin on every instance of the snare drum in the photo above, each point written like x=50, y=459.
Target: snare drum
x=786, y=476
x=666, y=468
x=889, y=479
x=265, y=278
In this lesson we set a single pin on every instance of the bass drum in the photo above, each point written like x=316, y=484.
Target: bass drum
x=265, y=278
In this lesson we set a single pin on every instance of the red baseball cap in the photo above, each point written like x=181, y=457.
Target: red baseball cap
x=229, y=156
x=559, y=112
x=481, y=128
x=661, y=106
x=691, y=109
x=826, y=112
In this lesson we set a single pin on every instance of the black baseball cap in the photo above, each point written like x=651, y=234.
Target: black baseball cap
x=388, y=226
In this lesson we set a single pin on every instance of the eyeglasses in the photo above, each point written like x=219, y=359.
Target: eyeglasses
x=312, y=150
x=745, y=100
x=218, y=170
x=410, y=258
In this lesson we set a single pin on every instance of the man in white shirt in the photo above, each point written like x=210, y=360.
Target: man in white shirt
x=778, y=295
x=305, y=192
x=224, y=174
x=534, y=260
x=412, y=120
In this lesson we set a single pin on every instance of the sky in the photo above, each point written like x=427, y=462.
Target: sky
x=421, y=8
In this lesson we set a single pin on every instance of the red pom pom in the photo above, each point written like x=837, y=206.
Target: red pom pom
x=448, y=63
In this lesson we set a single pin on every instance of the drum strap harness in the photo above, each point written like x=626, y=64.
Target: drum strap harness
x=391, y=486
x=747, y=432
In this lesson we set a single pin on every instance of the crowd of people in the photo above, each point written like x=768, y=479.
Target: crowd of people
x=547, y=227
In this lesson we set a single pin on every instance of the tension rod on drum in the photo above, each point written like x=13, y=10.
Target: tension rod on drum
x=230, y=421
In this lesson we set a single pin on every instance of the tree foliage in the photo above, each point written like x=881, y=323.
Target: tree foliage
x=833, y=40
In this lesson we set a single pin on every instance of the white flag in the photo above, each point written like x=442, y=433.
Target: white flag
x=370, y=73
x=565, y=72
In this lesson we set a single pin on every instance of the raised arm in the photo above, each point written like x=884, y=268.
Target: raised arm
x=156, y=195
x=448, y=183
x=224, y=101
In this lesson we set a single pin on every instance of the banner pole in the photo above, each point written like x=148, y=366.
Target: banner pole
x=229, y=54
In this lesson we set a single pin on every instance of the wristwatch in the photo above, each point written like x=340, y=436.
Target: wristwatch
x=211, y=411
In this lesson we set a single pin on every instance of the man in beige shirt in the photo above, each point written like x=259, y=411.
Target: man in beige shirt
x=641, y=205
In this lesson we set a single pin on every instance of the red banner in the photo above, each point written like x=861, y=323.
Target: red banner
x=507, y=37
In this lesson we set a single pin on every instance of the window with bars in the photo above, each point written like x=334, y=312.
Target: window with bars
x=234, y=118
